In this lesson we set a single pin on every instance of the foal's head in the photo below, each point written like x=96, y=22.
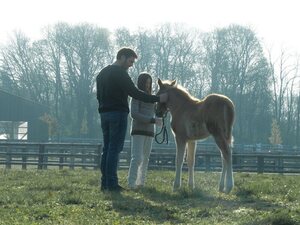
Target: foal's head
x=161, y=108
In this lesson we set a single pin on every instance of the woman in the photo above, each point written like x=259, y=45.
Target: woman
x=142, y=131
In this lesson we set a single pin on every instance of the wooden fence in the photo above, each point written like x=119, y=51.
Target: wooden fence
x=44, y=155
x=87, y=156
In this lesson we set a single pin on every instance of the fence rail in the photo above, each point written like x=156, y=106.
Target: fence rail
x=43, y=155
x=66, y=155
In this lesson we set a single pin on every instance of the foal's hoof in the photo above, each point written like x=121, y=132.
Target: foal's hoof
x=221, y=189
x=191, y=187
x=225, y=190
x=176, y=188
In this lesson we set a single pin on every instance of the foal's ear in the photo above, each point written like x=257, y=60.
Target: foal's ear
x=159, y=82
x=173, y=82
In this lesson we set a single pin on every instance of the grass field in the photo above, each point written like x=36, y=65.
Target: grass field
x=73, y=197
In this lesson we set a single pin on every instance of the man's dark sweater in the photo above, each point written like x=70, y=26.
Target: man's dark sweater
x=114, y=85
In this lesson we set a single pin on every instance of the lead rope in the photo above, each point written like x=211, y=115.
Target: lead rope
x=162, y=131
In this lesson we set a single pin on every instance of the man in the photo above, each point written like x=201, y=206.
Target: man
x=114, y=85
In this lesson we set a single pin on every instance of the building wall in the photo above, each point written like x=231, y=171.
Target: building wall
x=15, y=108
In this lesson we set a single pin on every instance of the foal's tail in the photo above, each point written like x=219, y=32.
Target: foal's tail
x=229, y=119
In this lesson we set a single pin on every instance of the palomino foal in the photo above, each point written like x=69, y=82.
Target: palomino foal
x=194, y=119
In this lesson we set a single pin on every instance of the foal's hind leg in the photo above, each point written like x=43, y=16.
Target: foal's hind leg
x=226, y=181
x=191, y=149
x=180, y=151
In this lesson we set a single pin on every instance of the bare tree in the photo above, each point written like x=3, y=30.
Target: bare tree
x=25, y=67
x=238, y=69
x=285, y=78
x=85, y=51
x=283, y=74
x=297, y=135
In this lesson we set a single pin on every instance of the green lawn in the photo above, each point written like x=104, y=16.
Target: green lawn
x=73, y=197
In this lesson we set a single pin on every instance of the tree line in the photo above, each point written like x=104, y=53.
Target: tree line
x=59, y=71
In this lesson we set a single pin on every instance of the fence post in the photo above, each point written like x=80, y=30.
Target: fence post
x=83, y=159
x=45, y=158
x=8, y=158
x=260, y=164
x=41, y=156
x=97, y=158
x=72, y=159
x=61, y=159
x=280, y=164
x=24, y=159
x=207, y=163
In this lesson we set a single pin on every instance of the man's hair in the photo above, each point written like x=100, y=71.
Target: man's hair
x=127, y=52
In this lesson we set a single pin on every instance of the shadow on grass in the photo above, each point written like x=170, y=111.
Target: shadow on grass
x=136, y=206
x=278, y=217
x=180, y=195
x=201, y=200
x=246, y=196
x=160, y=206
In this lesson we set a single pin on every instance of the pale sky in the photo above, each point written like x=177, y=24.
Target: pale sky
x=276, y=22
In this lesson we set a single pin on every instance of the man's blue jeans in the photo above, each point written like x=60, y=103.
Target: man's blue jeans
x=114, y=126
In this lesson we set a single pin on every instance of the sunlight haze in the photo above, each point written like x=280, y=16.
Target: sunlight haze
x=275, y=22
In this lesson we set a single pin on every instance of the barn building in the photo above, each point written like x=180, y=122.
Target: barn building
x=20, y=119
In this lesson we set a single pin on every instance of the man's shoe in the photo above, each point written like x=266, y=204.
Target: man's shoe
x=103, y=188
x=140, y=186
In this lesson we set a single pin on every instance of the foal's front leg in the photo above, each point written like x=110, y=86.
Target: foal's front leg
x=191, y=150
x=180, y=151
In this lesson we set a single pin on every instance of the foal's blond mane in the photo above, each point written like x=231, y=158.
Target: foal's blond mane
x=181, y=91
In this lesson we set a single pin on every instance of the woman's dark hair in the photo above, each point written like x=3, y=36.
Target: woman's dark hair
x=142, y=79
x=127, y=52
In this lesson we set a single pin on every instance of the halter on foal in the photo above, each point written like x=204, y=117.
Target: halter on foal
x=194, y=119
